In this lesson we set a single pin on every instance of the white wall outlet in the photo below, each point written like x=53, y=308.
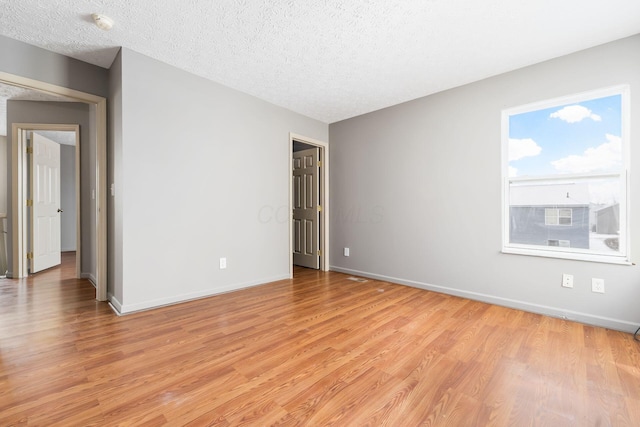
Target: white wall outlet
x=346, y=251
x=597, y=285
x=223, y=263
x=567, y=280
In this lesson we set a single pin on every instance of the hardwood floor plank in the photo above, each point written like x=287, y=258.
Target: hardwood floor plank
x=316, y=350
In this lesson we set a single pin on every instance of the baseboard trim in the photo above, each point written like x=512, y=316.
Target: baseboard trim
x=162, y=302
x=586, y=318
x=89, y=277
x=115, y=305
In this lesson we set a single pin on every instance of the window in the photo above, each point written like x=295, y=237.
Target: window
x=565, y=166
x=563, y=243
x=554, y=216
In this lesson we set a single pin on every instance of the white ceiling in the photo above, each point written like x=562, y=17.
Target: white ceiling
x=59, y=136
x=327, y=59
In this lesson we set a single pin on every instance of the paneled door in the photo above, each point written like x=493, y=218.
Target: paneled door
x=45, y=196
x=306, y=209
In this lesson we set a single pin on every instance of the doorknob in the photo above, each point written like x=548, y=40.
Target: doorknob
x=60, y=210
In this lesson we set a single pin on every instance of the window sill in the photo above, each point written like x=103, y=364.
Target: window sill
x=620, y=260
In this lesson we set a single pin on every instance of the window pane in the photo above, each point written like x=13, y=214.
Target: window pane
x=581, y=213
x=564, y=216
x=580, y=137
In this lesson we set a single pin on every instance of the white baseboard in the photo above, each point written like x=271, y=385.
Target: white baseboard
x=90, y=277
x=115, y=305
x=161, y=302
x=589, y=319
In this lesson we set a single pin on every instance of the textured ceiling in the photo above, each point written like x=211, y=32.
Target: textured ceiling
x=61, y=137
x=327, y=59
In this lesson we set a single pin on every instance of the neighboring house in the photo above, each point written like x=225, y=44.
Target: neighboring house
x=608, y=219
x=550, y=215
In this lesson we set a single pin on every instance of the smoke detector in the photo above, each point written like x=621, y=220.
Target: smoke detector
x=103, y=22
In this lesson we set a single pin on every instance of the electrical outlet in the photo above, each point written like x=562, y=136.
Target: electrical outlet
x=567, y=280
x=597, y=285
x=223, y=263
x=346, y=251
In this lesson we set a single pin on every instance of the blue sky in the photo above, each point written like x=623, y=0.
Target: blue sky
x=580, y=137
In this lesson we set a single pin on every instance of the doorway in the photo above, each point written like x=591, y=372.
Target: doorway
x=306, y=205
x=18, y=200
x=54, y=214
x=316, y=218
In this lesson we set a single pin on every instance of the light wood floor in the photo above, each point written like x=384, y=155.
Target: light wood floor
x=316, y=350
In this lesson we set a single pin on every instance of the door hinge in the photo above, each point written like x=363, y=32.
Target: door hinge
x=29, y=255
x=29, y=150
x=319, y=253
x=319, y=163
x=29, y=202
x=319, y=208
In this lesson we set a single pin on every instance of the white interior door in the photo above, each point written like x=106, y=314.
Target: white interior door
x=306, y=211
x=45, y=193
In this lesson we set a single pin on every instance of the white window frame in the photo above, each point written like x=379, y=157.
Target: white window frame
x=623, y=255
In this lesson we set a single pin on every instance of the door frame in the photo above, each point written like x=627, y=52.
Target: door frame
x=18, y=211
x=22, y=235
x=324, y=199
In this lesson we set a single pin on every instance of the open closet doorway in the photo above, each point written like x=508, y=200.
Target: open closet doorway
x=309, y=203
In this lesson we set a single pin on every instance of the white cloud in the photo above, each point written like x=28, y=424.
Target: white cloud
x=575, y=114
x=605, y=157
x=519, y=148
x=513, y=171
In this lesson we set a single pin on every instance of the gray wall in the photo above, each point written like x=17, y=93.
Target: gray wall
x=3, y=176
x=195, y=163
x=3, y=204
x=114, y=180
x=25, y=60
x=67, y=113
x=416, y=193
x=68, y=197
